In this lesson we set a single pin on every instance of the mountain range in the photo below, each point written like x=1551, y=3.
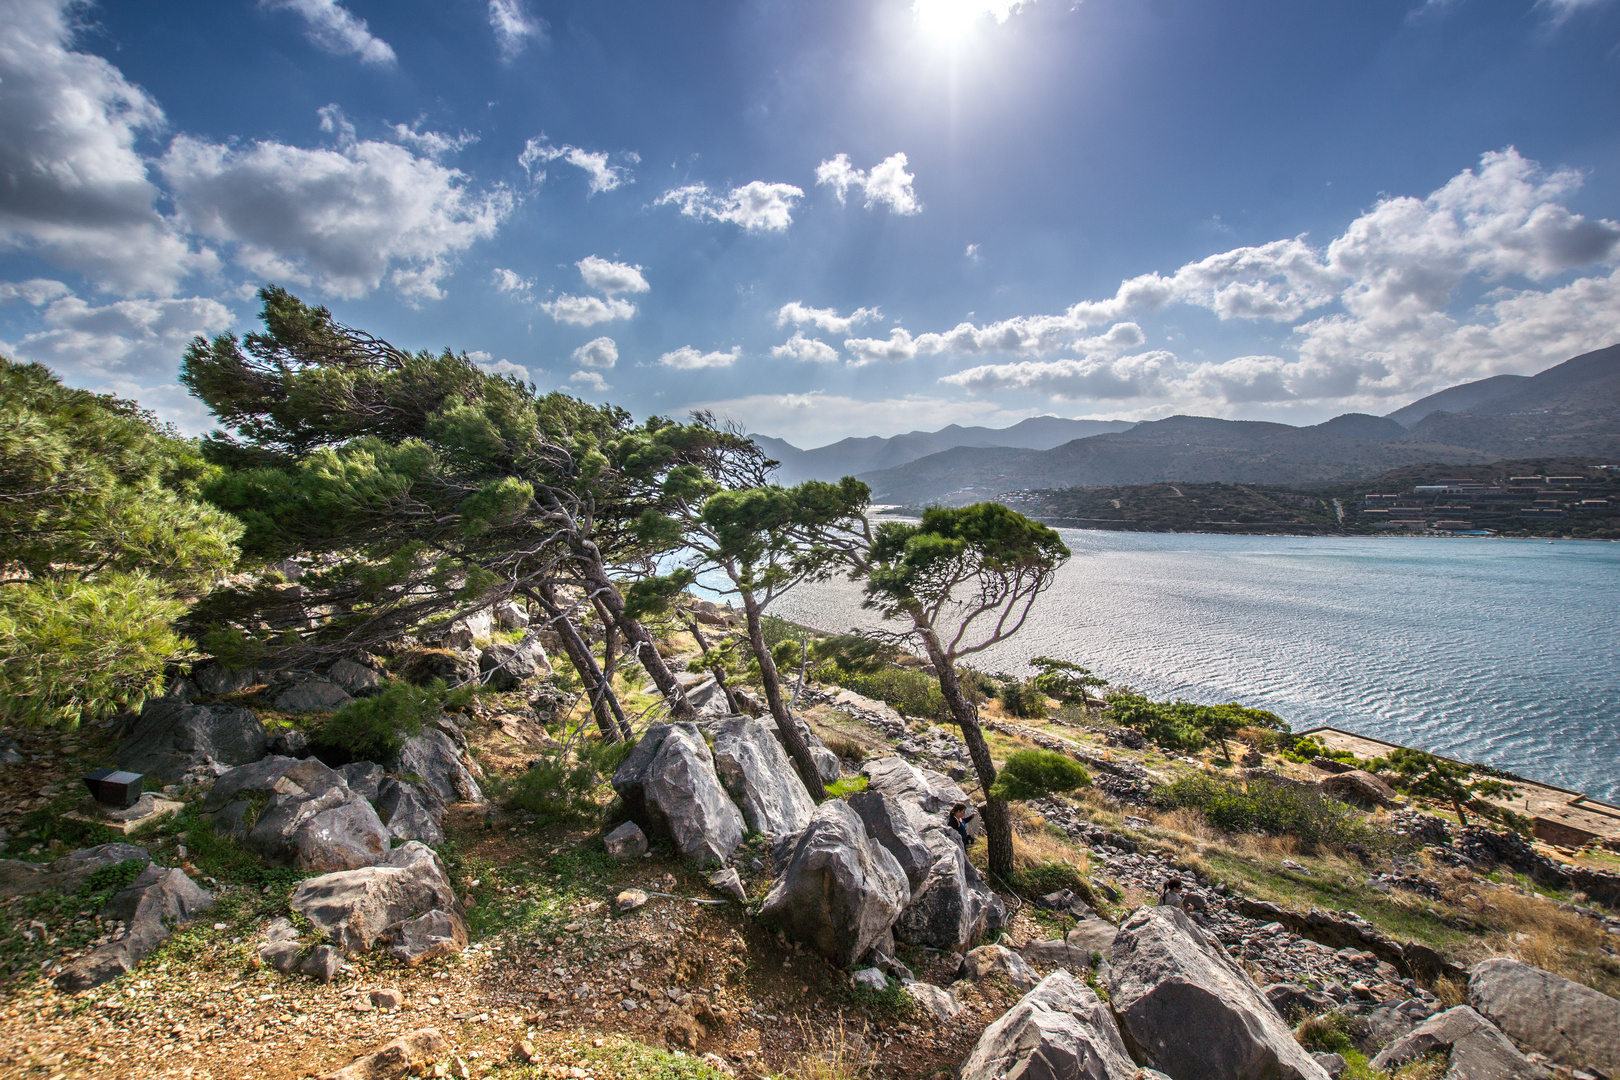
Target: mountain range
x=1571, y=410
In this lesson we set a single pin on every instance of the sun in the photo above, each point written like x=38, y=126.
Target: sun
x=949, y=22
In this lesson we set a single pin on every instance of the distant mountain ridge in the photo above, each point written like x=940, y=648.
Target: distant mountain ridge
x=849, y=457
x=1571, y=410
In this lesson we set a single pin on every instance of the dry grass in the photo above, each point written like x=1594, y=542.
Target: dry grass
x=1039, y=847
x=1450, y=992
x=836, y=1054
x=1537, y=931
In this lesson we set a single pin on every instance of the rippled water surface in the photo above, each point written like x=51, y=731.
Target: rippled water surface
x=1499, y=651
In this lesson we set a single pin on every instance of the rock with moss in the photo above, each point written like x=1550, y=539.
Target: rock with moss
x=157, y=902
x=1476, y=1049
x=299, y=813
x=67, y=874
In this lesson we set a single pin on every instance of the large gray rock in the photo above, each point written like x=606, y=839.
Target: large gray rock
x=355, y=907
x=298, y=812
x=828, y=767
x=997, y=961
x=356, y=680
x=840, y=891
x=67, y=874
x=1570, y=1023
x=434, y=756
x=953, y=907
x=364, y=778
x=171, y=738
x=407, y=813
x=507, y=667
x=217, y=680
x=154, y=904
x=671, y=789
x=312, y=695
x=889, y=824
x=760, y=777
x=1478, y=1051
x=1091, y=936
x=1058, y=1031
x=428, y=936
x=1188, y=1009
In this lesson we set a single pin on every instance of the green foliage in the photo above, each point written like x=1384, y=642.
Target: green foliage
x=1035, y=774
x=563, y=787
x=1182, y=725
x=1431, y=777
x=111, y=879
x=840, y=789
x=852, y=653
x=102, y=534
x=1050, y=877
x=911, y=693
x=1025, y=699
x=1273, y=807
x=1064, y=680
x=374, y=728
x=624, y=1057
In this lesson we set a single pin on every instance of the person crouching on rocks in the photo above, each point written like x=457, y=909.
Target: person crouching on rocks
x=958, y=819
x=1172, y=895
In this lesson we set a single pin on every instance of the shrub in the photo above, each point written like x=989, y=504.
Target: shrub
x=912, y=693
x=561, y=787
x=853, y=653
x=1033, y=774
x=1274, y=807
x=1051, y=877
x=1064, y=680
x=1182, y=725
x=375, y=728
x=1024, y=699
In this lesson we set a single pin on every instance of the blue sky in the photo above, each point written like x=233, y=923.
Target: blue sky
x=828, y=218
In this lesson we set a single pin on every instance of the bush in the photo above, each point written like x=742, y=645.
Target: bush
x=563, y=788
x=1051, y=877
x=853, y=653
x=1024, y=699
x=375, y=728
x=912, y=693
x=1034, y=774
x=1274, y=807
x=1182, y=725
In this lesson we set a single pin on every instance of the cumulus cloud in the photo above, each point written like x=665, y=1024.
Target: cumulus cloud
x=343, y=218
x=594, y=163
x=333, y=27
x=827, y=319
x=814, y=418
x=434, y=144
x=587, y=310
x=687, y=358
x=609, y=278
x=35, y=291
x=77, y=193
x=757, y=206
x=888, y=184
x=602, y=352
x=514, y=27
x=127, y=341
x=510, y=281
x=1036, y=334
x=502, y=366
x=799, y=347
x=591, y=380
x=1072, y=380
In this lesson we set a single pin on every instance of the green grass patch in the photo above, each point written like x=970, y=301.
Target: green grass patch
x=843, y=789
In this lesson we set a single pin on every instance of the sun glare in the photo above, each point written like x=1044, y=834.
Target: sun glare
x=949, y=22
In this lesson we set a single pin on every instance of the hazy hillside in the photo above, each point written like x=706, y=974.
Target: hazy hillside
x=853, y=456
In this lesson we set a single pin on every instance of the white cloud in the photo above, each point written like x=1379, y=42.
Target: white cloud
x=827, y=319
x=799, y=347
x=972, y=253
x=340, y=218
x=888, y=184
x=587, y=310
x=502, y=366
x=514, y=26
x=434, y=144
x=334, y=28
x=687, y=358
x=510, y=281
x=757, y=206
x=609, y=278
x=35, y=291
x=128, y=339
x=591, y=380
x=76, y=191
x=602, y=352
x=1072, y=380
x=815, y=418
x=1558, y=12
x=1035, y=334
x=600, y=175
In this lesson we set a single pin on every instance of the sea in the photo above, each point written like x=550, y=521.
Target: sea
x=1503, y=652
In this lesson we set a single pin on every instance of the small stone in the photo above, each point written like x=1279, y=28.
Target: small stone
x=387, y=998
x=524, y=1051
x=728, y=883
x=870, y=979
x=626, y=842
x=628, y=900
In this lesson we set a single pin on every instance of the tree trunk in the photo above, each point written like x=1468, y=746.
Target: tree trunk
x=718, y=670
x=797, y=748
x=610, y=664
x=997, y=823
x=612, y=603
x=604, y=703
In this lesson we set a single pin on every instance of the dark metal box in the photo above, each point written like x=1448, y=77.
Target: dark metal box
x=110, y=787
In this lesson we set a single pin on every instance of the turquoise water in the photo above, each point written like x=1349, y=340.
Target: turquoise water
x=1498, y=651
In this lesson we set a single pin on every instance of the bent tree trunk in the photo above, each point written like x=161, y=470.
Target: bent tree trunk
x=797, y=748
x=604, y=703
x=997, y=822
x=718, y=670
x=612, y=604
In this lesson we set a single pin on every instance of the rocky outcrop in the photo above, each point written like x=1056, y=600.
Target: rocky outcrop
x=355, y=908
x=508, y=667
x=888, y=823
x=171, y=738
x=840, y=891
x=997, y=961
x=953, y=907
x=941, y=1004
x=355, y=679
x=1571, y=1024
x=760, y=777
x=66, y=875
x=408, y=813
x=430, y=935
x=434, y=755
x=1294, y=1001
x=298, y=812
x=1359, y=787
x=1345, y=930
x=1060, y=1029
x=1478, y=1051
x=154, y=904
x=312, y=695
x=1188, y=1009
x=670, y=787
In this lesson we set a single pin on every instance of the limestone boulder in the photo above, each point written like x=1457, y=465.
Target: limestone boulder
x=840, y=891
x=828, y=767
x=626, y=842
x=1294, y=1001
x=1570, y=1023
x=397, y=1058
x=953, y=907
x=670, y=786
x=365, y=778
x=1188, y=1009
x=356, y=680
x=299, y=813
x=217, y=680
x=312, y=695
x=997, y=961
x=428, y=936
x=67, y=874
x=407, y=813
x=887, y=823
x=939, y=1003
x=1359, y=787
x=1060, y=1029
x=435, y=756
x=760, y=777
x=1478, y=1050
x=171, y=738
x=1091, y=937
x=354, y=908
x=507, y=667
x=157, y=902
